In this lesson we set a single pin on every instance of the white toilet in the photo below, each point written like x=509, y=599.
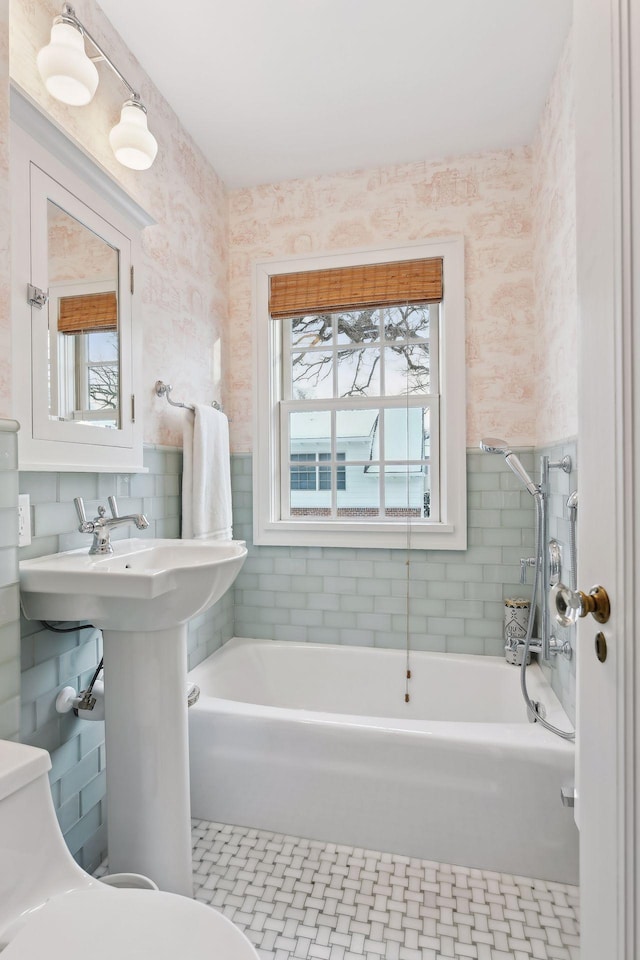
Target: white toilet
x=50, y=907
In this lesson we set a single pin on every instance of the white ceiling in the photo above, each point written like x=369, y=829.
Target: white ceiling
x=275, y=89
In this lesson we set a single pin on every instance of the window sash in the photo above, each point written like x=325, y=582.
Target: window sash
x=336, y=348
x=426, y=402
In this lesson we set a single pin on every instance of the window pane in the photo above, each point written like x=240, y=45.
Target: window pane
x=312, y=375
x=303, y=476
x=324, y=478
x=311, y=331
x=359, y=373
x=310, y=503
x=103, y=386
x=359, y=499
x=407, y=492
x=426, y=498
x=407, y=370
x=355, y=431
x=408, y=322
x=426, y=433
x=406, y=433
x=361, y=326
x=102, y=346
x=310, y=433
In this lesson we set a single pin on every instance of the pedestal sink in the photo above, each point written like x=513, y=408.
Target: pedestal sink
x=141, y=597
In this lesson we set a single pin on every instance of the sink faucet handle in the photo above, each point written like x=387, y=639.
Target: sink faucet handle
x=85, y=525
x=113, y=506
x=79, y=505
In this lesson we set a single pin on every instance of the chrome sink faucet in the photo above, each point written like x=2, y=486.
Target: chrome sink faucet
x=101, y=525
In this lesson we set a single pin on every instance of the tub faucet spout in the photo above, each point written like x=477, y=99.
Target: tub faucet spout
x=517, y=645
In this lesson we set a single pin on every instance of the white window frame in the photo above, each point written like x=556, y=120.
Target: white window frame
x=449, y=530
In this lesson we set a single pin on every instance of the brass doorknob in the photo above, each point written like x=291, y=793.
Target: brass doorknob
x=572, y=604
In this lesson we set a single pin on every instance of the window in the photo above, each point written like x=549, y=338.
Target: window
x=308, y=472
x=84, y=383
x=96, y=374
x=360, y=417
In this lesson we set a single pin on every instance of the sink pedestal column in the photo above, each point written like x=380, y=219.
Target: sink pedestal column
x=148, y=800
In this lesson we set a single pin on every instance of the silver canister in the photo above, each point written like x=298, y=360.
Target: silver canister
x=516, y=621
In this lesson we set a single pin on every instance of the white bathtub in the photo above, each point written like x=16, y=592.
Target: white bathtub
x=317, y=741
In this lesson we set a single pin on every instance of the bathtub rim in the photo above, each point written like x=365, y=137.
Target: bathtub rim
x=496, y=733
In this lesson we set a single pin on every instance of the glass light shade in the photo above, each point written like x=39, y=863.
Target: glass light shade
x=68, y=73
x=134, y=146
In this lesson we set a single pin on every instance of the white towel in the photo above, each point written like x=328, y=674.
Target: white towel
x=206, y=476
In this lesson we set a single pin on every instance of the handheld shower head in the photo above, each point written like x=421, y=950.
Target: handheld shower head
x=493, y=445
x=521, y=473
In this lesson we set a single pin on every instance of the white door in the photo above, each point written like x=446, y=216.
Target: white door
x=607, y=58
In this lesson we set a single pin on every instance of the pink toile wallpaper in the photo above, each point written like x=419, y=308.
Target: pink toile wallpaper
x=184, y=269
x=554, y=260
x=5, y=219
x=486, y=198
x=514, y=209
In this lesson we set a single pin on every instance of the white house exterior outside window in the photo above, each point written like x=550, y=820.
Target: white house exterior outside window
x=360, y=412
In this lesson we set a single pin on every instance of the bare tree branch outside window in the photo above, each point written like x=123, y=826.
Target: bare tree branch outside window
x=104, y=375
x=103, y=387
x=313, y=367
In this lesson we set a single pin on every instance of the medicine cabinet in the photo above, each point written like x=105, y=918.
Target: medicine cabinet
x=76, y=327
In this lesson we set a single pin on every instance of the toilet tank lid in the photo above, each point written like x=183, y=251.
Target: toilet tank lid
x=19, y=765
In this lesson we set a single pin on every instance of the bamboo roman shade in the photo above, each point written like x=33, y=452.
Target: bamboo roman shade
x=355, y=288
x=88, y=312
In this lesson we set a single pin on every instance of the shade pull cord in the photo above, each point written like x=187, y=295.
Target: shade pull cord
x=407, y=695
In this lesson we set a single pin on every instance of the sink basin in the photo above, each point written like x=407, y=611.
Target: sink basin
x=144, y=585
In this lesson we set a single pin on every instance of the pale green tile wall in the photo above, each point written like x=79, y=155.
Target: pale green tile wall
x=9, y=595
x=354, y=596
x=455, y=598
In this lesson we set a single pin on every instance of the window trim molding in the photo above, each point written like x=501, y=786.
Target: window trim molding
x=450, y=532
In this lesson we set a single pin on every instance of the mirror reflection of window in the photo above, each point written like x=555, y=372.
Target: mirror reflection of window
x=84, y=352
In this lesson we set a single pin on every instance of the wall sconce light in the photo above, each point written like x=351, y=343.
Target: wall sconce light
x=70, y=75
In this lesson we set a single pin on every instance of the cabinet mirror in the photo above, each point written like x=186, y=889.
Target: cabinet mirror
x=83, y=335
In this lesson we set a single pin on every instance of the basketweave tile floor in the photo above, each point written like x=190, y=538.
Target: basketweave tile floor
x=304, y=899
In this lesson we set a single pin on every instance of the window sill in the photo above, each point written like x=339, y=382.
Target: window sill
x=390, y=536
